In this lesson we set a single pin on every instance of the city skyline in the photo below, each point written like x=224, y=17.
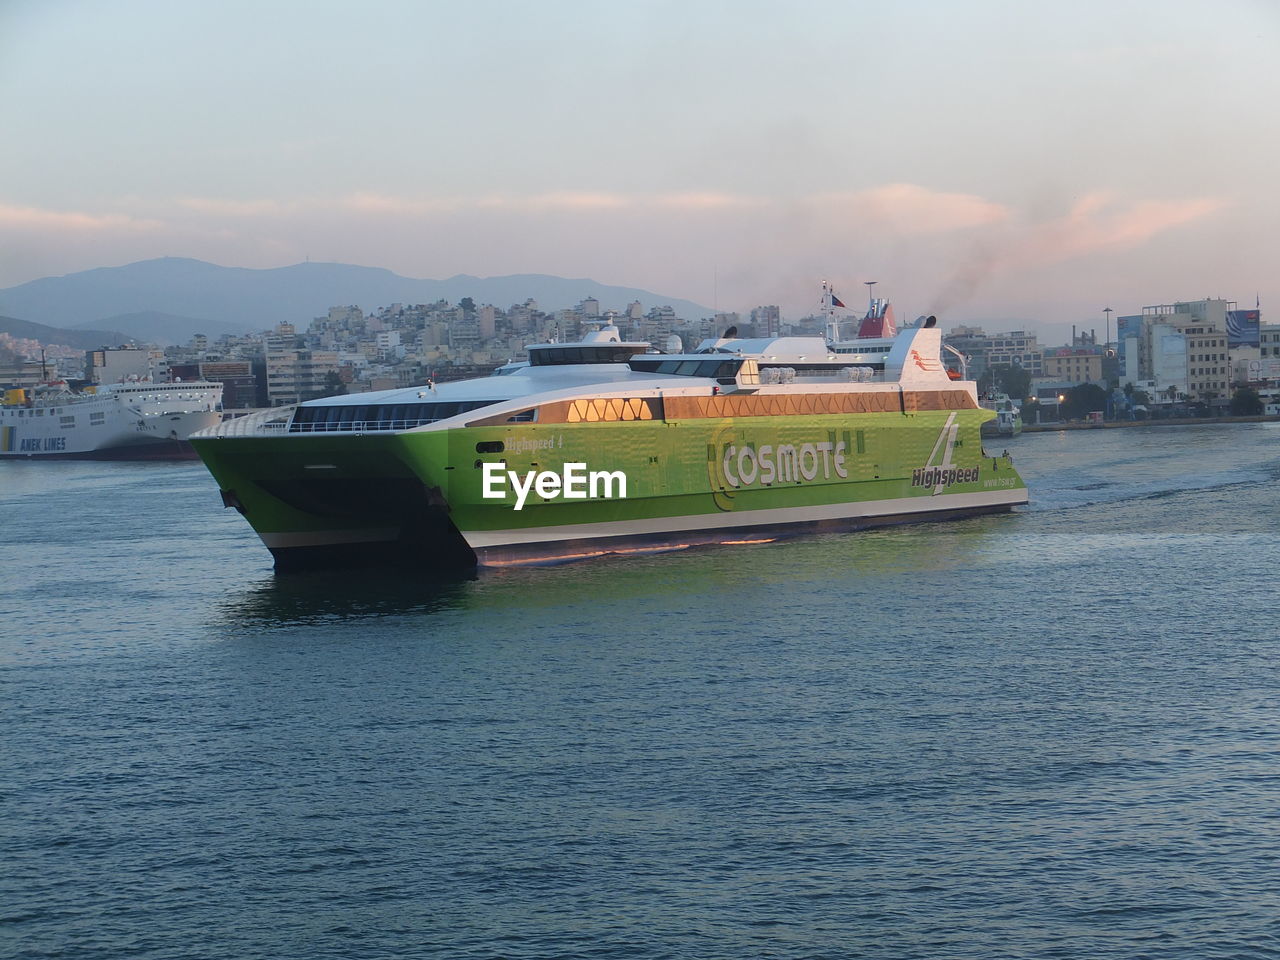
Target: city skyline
x=988, y=163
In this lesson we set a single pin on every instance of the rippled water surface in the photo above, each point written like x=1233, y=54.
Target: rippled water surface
x=1050, y=734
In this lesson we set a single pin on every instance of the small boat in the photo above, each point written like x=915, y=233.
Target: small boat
x=1008, y=420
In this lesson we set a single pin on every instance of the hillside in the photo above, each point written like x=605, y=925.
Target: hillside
x=77, y=339
x=198, y=297
x=166, y=329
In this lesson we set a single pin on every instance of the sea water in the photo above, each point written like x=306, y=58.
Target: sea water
x=1054, y=733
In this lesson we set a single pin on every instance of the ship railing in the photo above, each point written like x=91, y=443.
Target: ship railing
x=360, y=426
x=264, y=423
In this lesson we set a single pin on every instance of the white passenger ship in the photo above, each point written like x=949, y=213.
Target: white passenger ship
x=139, y=420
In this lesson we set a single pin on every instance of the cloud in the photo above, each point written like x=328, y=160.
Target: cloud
x=902, y=208
x=380, y=204
x=58, y=221
x=912, y=210
x=234, y=208
x=1098, y=223
x=708, y=201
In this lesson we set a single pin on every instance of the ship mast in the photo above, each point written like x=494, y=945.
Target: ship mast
x=829, y=301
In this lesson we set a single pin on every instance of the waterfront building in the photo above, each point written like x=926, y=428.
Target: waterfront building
x=298, y=374
x=1165, y=366
x=1128, y=346
x=1075, y=365
x=241, y=387
x=23, y=373
x=1203, y=325
x=1265, y=368
x=125, y=363
x=973, y=343
x=1015, y=348
x=767, y=321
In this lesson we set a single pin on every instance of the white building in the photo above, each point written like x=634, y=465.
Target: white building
x=119, y=365
x=1203, y=327
x=1166, y=367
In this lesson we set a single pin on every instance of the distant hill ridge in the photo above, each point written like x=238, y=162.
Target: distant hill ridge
x=180, y=297
x=166, y=329
x=51, y=336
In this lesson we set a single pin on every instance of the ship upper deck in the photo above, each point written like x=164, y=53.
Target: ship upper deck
x=722, y=369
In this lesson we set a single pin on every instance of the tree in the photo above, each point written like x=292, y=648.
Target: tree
x=1008, y=378
x=1139, y=398
x=1082, y=400
x=334, y=385
x=1245, y=402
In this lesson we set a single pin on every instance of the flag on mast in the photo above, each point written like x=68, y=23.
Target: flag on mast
x=836, y=301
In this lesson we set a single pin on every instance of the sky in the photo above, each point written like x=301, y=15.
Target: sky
x=1012, y=164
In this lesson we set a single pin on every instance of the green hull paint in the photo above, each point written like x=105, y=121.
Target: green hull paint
x=311, y=490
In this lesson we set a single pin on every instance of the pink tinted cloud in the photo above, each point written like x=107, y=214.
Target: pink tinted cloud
x=1098, y=222
x=908, y=209
x=35, y=219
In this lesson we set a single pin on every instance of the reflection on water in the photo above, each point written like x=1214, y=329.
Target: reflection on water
x=688, y=579
x=322, y=596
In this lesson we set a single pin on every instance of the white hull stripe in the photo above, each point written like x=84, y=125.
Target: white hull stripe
x=778, y=516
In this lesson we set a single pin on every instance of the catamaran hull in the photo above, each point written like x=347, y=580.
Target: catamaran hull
x=418, y=497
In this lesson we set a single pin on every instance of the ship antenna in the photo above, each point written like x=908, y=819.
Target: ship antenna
x=829, y=307
x=871, y=295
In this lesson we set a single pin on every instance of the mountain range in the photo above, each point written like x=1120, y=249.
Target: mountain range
x=167, y=300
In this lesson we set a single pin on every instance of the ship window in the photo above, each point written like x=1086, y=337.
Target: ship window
x=65, y=422
x=383, y=416
x=97, y=418
x=687, y=368
x=555, y=356
x=524, y=416
x=490, y=446
x=594, y=411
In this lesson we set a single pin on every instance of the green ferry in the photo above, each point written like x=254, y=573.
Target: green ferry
x=599, y=447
